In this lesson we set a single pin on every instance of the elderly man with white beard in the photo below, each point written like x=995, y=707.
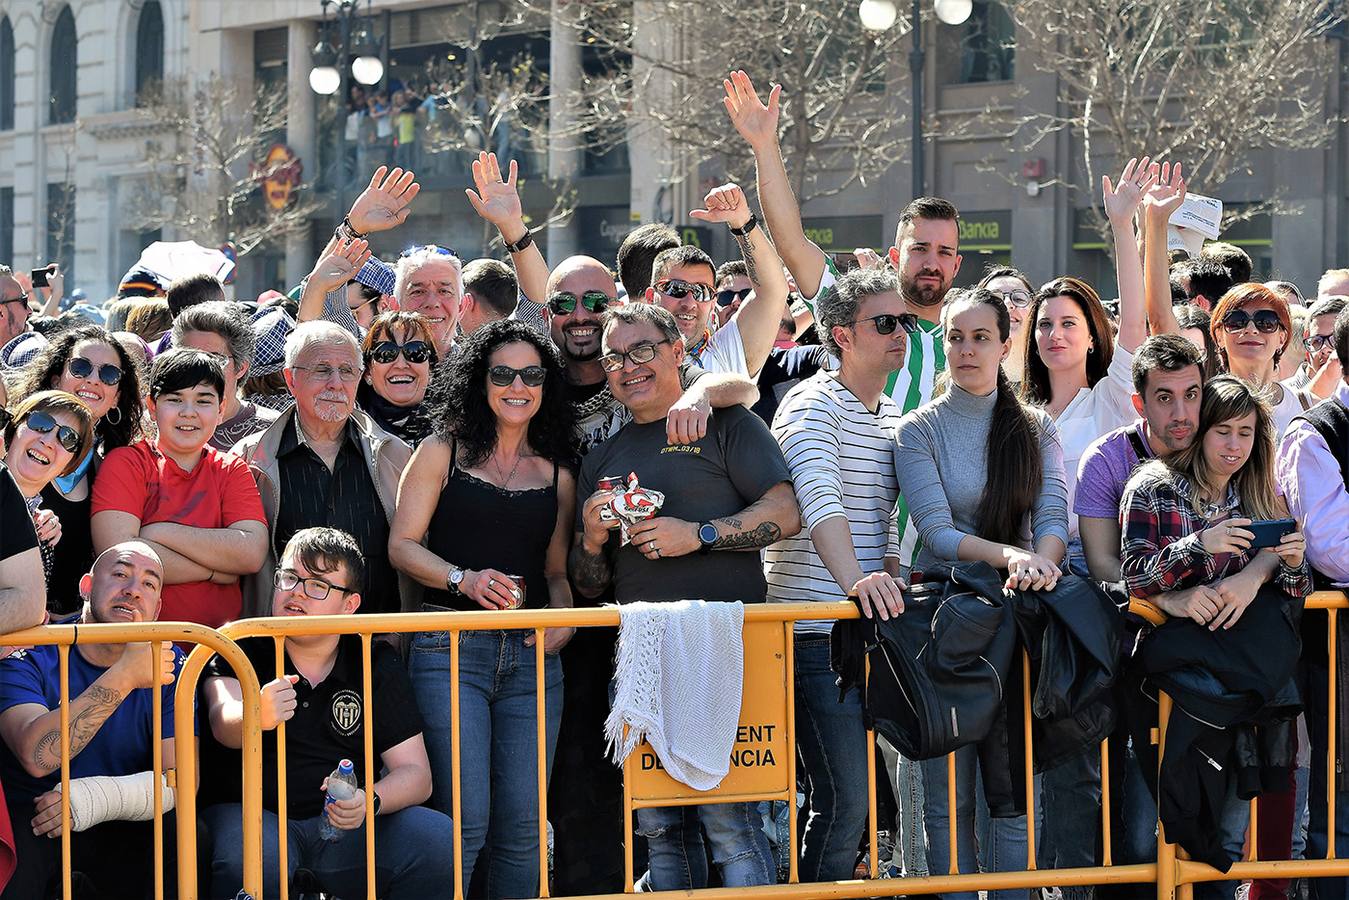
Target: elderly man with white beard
x=326, y=463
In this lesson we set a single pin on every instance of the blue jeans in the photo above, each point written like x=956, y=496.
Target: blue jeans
x=832, y=742
x=1006, y=847
x=1139, y=814
x=1071, y=805
x=497, y=803
x=906, y=780
x=414, y=854
x=1316, y=698
x=675, y=851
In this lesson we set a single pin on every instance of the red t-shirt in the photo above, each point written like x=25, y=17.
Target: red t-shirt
x=218, y=492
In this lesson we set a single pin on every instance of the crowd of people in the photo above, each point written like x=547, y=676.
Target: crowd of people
x=438, y=435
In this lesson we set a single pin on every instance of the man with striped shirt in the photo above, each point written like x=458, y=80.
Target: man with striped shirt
x=837, y=431
x=925, y=255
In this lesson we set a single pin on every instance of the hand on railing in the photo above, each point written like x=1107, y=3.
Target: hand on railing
x=137, y=667
x=1028, y=571
x=278, y=701
x=879, y=594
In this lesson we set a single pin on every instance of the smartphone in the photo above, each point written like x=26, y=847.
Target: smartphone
x=39, y=276
x=1270, y=532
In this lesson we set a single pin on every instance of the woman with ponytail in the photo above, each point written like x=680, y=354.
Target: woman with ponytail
x=983, y=478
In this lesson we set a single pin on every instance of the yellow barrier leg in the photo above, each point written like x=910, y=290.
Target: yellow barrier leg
x=1166, y=852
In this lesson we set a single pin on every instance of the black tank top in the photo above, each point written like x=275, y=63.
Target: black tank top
x=478, y=525
x=73, y=555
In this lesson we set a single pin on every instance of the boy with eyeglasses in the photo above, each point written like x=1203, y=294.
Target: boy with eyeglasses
x=197, y=507
x=318, y=694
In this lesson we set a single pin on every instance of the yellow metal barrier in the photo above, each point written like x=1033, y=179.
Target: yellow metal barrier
x=207, y=642
x=1171, y=874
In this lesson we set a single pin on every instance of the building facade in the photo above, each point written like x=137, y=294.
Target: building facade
x=73, y=143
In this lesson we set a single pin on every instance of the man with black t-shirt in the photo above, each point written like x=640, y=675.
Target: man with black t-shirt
x=318, y=696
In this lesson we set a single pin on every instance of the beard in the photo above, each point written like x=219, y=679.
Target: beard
x=926, y=296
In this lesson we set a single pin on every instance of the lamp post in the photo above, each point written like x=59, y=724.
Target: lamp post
x=878, y=15
x=330, y=72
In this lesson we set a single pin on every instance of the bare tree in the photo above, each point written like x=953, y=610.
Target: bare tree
x=204, y=176
x=840, y=125
x=1210, y=85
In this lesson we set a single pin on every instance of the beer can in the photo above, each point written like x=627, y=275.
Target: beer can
x=518, y=592
x=611, y=483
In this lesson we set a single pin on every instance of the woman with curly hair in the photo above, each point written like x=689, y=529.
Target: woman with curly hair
x=94, y=366
x=399, y=354
x=484, y=518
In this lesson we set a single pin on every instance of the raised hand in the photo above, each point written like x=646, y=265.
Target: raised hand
x=756, y=122
x=1122, y=199
x=341, y=265
x=386, y=201
x=497, y=200
x=724, y=204
x=1166, y=196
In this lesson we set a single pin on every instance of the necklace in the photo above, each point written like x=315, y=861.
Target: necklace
x=507, y=483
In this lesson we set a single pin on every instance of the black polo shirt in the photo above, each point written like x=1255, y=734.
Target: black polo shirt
x=328, y=725
x=343, y=497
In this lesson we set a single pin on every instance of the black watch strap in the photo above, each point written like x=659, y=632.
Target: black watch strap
x=346, y=228
x=752, y=224
x=521, y=244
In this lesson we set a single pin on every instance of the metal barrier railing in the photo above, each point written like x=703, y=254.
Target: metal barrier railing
x=207, y=641
x=1170, y=872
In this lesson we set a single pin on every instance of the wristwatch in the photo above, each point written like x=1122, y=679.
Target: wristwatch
x=455, y=579
x=522, y=243
x=707, y=535
x=752, y=224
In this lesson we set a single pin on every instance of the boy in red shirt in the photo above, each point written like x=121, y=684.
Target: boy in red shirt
x=199, y=508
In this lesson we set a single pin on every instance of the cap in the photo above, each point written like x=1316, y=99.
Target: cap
x=271, y=326
x=21, y=350
x=139, y=282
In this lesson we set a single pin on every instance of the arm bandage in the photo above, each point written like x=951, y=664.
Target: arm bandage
x=106, y=798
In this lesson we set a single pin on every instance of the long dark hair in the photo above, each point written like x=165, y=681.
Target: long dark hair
x=458, y=400
x=1012, y=453
x=1035, y=375
x=41, y=374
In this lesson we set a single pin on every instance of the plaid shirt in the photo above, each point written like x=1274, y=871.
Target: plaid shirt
x=1161, y=548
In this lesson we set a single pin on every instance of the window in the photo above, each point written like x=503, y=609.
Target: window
x=149, y=51
x=6, y=75
x=7, y=226
x=981, y=49
x=61, y=103
x=61, y=228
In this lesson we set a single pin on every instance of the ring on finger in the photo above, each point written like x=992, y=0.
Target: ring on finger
x=491, y=583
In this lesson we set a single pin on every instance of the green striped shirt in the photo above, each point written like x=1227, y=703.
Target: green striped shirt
x=910, y=387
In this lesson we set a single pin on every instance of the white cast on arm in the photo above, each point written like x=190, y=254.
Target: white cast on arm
x=106, y=798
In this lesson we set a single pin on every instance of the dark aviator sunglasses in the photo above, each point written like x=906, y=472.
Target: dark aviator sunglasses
x=43, y=423
x=79, y=367
x=564, y=303
x=504, y=376
x=415, y=352
x=1266, y=321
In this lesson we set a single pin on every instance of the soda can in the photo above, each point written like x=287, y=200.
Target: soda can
x=517, y=592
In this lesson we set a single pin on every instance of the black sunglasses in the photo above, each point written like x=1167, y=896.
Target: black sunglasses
x=1266, y=321
x=65, y=435
x=564, y=303
x=642, y=353
x=504, y=376
x=677, y=289
x=726, y=298
x=22, y=298
x=888, y=322
x=1317, y=342
x=83, y=368
x=414, y=352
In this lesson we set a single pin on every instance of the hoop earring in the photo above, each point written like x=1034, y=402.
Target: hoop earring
x=108, y=416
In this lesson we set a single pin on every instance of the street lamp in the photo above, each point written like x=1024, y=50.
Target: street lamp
x=329, y=74
x=878, y=15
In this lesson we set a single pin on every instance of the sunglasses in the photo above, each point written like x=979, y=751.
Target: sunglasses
x=676, y=289
x=726, y=298
x=564, y=303
x=887, y=323
x=1317, y=342
x=1266, y=321
x=642, y=353
x=65, y=435
x=80, y=367
x=504, y=376
x=414, y=352
x=314, y=588
x=1020, y=299
x=22, y=298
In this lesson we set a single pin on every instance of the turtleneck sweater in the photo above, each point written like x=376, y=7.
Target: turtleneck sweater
x=942, y=463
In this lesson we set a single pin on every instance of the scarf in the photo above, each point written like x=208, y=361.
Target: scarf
x=408, y=423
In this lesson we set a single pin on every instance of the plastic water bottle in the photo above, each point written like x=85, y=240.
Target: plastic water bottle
x=341, y=786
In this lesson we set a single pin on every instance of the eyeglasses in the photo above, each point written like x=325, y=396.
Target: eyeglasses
x=314, y=588
x=642, y=353
x=66, y=436
x=22, y=298
x=1018, y=298
x=428, y=248
x=564, y=303
x=414, y=352
x=888, y=322
x=325, y=373
x=79, y=367
x=726, y=298
x=504, y=376
x=677, y=289
x=1317, y=342
x=1266, y=321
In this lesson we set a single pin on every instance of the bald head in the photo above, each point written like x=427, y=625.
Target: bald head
x=578, y=333
x=124, y=584
x=581, y=273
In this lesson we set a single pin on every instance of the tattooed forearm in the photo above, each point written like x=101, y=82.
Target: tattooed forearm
x=591, y=573
x=88, y=713
x=746, y=242
x=767, y=533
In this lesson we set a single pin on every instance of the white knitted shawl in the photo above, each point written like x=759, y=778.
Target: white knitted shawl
x=677, y=683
